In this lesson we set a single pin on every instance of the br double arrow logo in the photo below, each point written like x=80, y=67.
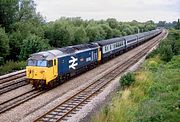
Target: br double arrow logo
x=73, y=62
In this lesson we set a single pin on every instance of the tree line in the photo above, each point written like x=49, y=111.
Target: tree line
x=169, y=25
x=23, y=31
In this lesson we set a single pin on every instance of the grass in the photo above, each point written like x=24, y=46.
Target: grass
x=153, y=97
x=11, y=66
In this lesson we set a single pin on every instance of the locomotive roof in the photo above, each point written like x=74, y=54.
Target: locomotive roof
x=75, y=48
x=46, y=55
x=51, y=54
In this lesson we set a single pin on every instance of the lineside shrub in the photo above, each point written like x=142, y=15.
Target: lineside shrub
x=152, y=54
x=166, y=52
x=127, y=79
x=1, y=61
x=11, y=66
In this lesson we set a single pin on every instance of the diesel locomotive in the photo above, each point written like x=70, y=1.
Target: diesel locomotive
x=47, y=68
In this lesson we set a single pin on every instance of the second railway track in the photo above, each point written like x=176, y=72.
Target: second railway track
x=11, y=76
x=73, y=104
x=12, y=81
x=13, y=102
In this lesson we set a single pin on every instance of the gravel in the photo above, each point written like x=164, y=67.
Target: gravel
x=14, y=93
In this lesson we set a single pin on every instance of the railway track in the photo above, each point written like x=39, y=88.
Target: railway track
x=73, y=104
x=13, y=102
x=12, y=81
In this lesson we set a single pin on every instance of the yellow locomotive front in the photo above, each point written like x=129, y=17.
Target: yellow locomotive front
x=41, y=69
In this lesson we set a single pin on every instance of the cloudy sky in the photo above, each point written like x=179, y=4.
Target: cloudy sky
x=122, y=10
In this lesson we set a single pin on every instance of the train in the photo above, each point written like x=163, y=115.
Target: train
x=46, y=69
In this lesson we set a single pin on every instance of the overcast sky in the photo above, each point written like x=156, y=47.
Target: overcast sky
x=122, y=10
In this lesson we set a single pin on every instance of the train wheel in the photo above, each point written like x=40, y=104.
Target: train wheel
x=50, y=85
x=35, y=84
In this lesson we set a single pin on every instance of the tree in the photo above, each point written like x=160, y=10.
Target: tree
x=28, y=27
x=101, y=32
x=21, y=30
x=63, y=34
x=107, y=30
x=77, y=21
x=8, y=12
x=127, y=29
x=27, y=12
x=4, y=43
x=60, y=33
x=15, y=41
x=80, y=36
x=149, y=25
x=116, y=33
x=161, y=23
x=32, y=44
x=95, y=33
x=178, y=24
x=113, y=23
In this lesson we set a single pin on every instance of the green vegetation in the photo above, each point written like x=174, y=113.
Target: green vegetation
x=11, y=66
x=169, y=25
x=127, y=80
x=168, y=47
x=154, y=96
x=4, y=43
x=178, y=24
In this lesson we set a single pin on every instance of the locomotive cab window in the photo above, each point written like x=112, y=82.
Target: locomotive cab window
x=32, y=62
x=50, y=63
x=42, y=63
x=39, y=63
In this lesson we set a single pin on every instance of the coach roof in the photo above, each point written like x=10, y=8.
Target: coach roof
x=110, y=41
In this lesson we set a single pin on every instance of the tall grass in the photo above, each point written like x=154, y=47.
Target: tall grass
x=153, y=97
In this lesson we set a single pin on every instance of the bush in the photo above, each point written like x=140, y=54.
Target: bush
x=166, y=52
x=127, y=80
x=4, y=43
x=1, y=61
x=152, y=54
x=12, y=66
x=176, y=48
